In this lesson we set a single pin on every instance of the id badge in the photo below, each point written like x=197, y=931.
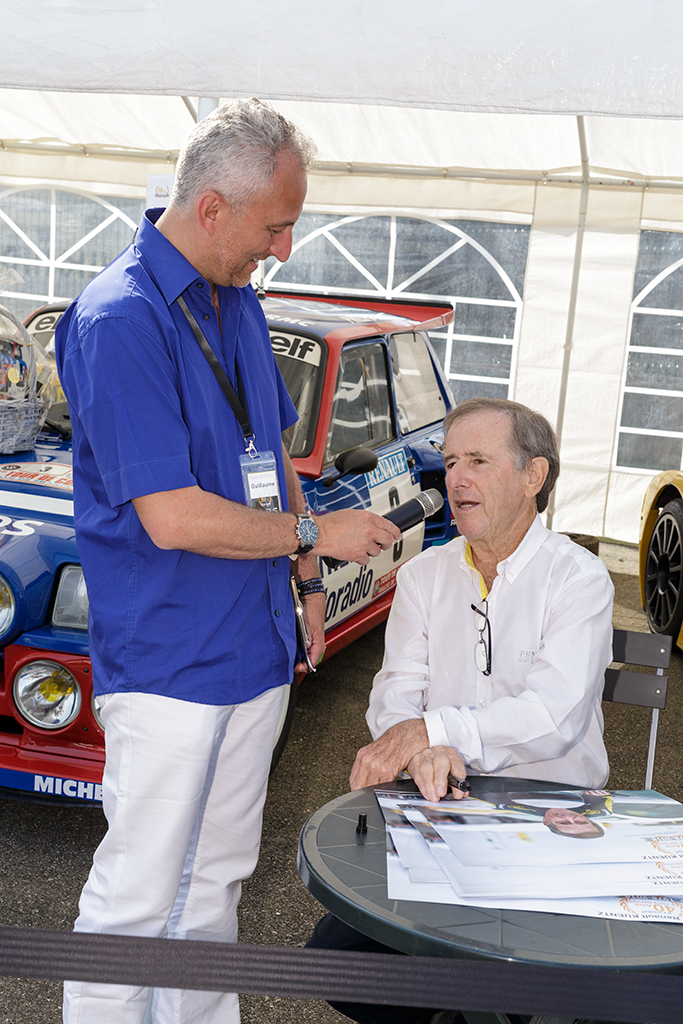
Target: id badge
x=259, y=477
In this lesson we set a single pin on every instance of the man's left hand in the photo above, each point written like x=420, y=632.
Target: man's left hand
x=382, y=760
x=314, y=614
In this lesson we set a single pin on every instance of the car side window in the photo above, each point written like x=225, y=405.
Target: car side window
x=419, y=401
x=361, y=409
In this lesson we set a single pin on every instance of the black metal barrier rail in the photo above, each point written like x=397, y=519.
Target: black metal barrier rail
x=628, y=996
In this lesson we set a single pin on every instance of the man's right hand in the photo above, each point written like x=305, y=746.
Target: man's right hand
x=430, y=768
x=354, y=535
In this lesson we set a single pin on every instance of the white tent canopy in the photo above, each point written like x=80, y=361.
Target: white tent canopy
x=452, y=110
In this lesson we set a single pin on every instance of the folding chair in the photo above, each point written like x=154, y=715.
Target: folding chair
x=646, y=689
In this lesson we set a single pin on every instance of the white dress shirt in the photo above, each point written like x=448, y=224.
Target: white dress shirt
x=538, y=715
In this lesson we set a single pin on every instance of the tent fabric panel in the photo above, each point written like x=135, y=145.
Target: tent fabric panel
x=608, y=263
x=624, y=502
x=583, y=486
x=448, y=198
x=474, y=55
x=436, y=138
x=91, y=119
x=663, y=210
x=546, y=299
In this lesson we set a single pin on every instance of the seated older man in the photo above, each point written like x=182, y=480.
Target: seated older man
x=496, y=645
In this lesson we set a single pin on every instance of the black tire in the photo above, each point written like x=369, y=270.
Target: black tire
x=284, y=723
x=664, y=571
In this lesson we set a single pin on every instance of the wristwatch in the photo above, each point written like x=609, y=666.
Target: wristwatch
x=307, y=533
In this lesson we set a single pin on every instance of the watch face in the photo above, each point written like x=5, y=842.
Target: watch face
x=308, y=532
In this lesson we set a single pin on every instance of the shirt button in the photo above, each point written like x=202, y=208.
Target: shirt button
x=482, y=703
x=207, y=316
x=277, y=611
x=200, y=284
x=274, y=563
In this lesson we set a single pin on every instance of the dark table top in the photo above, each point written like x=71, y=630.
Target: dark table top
x=347, y=874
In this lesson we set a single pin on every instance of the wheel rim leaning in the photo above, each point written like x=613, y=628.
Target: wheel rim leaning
x=663, y=574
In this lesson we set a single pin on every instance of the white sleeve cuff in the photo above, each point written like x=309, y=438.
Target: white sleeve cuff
x=436, y=730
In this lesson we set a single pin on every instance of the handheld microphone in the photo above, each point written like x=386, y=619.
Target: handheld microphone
x=412, y=512
x=405, y=516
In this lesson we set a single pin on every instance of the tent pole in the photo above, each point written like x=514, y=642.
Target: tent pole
x=204, y=107
x=571, y=312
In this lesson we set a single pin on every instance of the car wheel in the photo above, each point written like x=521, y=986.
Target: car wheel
x=664, y=571
x=284, y=722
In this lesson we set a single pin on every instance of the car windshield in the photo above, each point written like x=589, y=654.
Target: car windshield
x=299, y=359
x=419, y=401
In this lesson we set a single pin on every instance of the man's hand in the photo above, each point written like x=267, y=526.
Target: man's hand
x=314, y=614
x=354, y=535
x=430, y=769
x=382, y=760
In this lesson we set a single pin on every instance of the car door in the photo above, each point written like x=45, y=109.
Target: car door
x=363, y=414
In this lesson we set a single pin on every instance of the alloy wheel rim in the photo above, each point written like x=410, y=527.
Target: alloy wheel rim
x=663, y=572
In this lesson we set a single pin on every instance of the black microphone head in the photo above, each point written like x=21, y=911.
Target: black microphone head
x=431, y=501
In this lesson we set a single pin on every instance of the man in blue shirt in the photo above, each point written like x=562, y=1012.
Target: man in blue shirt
x=191, y=629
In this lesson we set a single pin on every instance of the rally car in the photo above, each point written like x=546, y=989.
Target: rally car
x=371, y=397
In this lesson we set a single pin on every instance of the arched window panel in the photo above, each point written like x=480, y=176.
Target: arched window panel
x=507, y=244
x=479, y=359
x=465, y=270
x=464, y=389
x=638, y=451
x=486, y=321
x=70, y=283
x=660, y=331
x=53, y=241
x=370, y=248
x=111, y=237
x=652, y=412
x=657, y=250
x=29, y=212
x=477, y=265
x=668, y=294
x=320, y=264
x=12, y=245
x=75, y=219
x=651, y=418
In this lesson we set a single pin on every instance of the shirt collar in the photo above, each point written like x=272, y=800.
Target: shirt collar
x=533, y=539
x=171, y=271
x=511, y=566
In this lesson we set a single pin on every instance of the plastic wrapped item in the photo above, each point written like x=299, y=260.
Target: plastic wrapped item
x=21, y=411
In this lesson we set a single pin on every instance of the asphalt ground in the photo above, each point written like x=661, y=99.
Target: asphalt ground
x=46, y=851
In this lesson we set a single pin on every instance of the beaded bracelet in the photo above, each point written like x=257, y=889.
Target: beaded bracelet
x=312, y=586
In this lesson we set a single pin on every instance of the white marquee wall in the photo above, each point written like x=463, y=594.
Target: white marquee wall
x=451, y=111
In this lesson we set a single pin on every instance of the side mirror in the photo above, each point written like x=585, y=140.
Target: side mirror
x=353, y=460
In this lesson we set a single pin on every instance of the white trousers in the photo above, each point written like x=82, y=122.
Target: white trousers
x=183, y=792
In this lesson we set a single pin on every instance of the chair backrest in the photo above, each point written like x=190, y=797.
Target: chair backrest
x=647, y=689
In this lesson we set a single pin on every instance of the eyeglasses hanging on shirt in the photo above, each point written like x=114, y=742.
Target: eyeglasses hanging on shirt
x=482, y=649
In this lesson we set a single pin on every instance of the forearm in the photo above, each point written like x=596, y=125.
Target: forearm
x=191, y=519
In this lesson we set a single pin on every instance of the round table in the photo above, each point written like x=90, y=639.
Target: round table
x=346, y=872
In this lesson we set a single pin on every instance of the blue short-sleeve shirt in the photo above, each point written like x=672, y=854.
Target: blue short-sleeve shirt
x=148, y=415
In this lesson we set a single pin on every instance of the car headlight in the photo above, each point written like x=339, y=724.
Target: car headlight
x=46, y=694
x=96, y=712
x=71, y=603
x=7, y=606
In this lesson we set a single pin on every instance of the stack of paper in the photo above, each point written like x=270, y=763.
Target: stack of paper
x=598, y=853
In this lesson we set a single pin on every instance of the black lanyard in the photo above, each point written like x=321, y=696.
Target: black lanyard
x=237, y=404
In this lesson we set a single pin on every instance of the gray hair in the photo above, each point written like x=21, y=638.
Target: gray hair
x=531, y=437
x=234, y=151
